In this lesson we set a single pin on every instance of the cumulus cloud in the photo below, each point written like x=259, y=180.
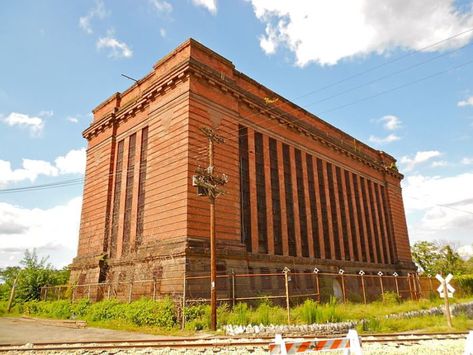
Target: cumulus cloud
x=439, y=164
x=421, y=157
x=384, y=140
x=325, y=32
x=210, y=5
x=162, y=32
x=72, y=119
x=444, y=204
x=466, y=102
x=34, y=124
x=161, y=6
x=116, y=48
x=23, y=228
x=71, y=163
x=467, y=161
x=391, y=122
x=98, y=11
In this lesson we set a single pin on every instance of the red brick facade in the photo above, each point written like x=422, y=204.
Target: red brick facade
x=301, y=193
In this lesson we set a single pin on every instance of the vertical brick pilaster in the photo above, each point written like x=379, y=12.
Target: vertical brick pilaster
x=295, y=200
x=253, y=203
x=347, y=217
x=329, y=214
x=341, y=235
x=307, y=205
x=358, y=235
x=282, y=194
x=121, y=213
x=269, y=199
x=361, y=214
x=136, y=185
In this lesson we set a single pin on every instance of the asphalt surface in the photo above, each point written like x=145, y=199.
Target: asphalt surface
x=29, y=330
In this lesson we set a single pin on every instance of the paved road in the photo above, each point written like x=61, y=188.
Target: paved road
x=28, y=330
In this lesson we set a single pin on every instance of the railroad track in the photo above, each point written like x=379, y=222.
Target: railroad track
x=221, y=342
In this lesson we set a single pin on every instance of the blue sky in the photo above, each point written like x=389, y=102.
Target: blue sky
x=397, y=75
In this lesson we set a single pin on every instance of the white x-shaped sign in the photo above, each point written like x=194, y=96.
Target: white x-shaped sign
x=440, y=289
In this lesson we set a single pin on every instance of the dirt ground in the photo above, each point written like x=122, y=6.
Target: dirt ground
x=28, y=330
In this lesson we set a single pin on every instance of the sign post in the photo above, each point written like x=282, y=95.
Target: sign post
x=446, y=291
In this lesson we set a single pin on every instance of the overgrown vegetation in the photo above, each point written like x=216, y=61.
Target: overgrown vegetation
x=162, y=315
x=434, y=259
x=33, y=274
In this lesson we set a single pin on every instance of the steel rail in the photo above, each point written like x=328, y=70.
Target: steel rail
x=215, y=342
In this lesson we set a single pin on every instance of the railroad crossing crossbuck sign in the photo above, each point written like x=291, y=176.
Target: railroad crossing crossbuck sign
x=440, y=289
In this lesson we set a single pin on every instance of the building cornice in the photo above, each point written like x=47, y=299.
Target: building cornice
x=350, y=146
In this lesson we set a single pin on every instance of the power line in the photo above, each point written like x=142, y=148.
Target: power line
x=52, y=185
x=409, y=83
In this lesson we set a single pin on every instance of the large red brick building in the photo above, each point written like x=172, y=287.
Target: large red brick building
x=301, y=193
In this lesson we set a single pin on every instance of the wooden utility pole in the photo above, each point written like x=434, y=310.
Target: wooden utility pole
x=208, y=184
x=12, y=293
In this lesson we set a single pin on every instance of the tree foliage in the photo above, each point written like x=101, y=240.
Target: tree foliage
x=33, y=274
x=435, y=259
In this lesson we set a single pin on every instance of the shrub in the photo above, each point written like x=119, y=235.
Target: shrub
x=160, y=313
x=309, y=312
x=80, y=308
x=240, y=315
x=391, y=298
x=105, y=310
x=466, y=283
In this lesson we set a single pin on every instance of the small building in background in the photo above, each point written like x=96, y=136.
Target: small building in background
x=300, y=193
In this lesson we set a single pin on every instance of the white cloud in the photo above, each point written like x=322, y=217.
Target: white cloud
x=467, y=102
x=419, y=158
x=72, y=119
x=72, y=163
x=326, y=32
x=161, y=6
x=46, y=113
x=384, y=140
x=210, y=5
x=162, y=32
x=117, y=49
x=467, y=161
x=444, y=204
x=34, y=124
x=23, y=228
x=390, y=122
x=98, y=11
x=439, y=164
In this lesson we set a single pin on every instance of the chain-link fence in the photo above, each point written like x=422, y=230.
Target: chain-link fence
x=282, y=288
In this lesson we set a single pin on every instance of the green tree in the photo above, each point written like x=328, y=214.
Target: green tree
x=33, y=274
x=427, y=257
x=451, y=262
x=438, y=259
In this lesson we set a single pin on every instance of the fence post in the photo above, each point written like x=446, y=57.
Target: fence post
x=430, y=282
x=317, y=284
x=380, y=274
x=88, y=293
x=362, y=273
x=233, y=289
x=46, y=293
x=395, y=274
x=341, y=271
x=183, y=323
x=286, y=281
x=419, y=285
x=109, y=286
x=414, y=284
x=410, y=286
x=130, y=291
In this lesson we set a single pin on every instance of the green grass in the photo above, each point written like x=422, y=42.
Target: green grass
x=160, y=317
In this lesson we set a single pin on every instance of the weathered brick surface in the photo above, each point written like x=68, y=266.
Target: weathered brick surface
x=191, y=88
